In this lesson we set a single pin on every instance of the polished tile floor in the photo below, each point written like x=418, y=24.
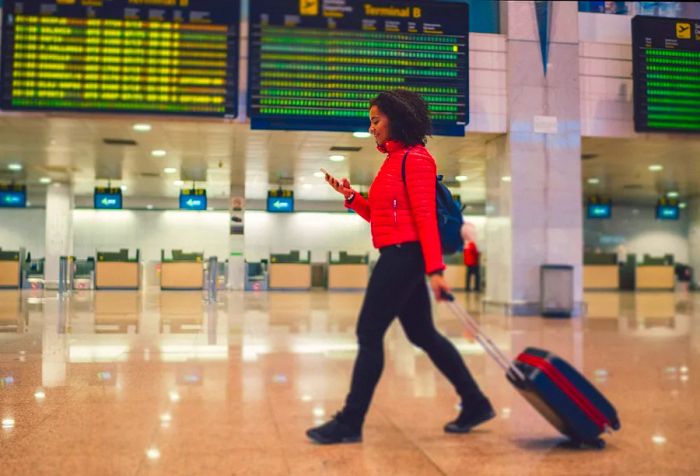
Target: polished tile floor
x=165, y=383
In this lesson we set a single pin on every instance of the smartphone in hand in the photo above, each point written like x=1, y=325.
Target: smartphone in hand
x=334, y=182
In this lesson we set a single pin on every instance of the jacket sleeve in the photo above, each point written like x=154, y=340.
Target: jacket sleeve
x=360, y=205
x=420, y=185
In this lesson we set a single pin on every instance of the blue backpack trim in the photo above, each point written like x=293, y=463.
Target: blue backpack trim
x=449, y=215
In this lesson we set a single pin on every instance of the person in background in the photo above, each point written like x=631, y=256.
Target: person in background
x=471, y=261
x=403, y=221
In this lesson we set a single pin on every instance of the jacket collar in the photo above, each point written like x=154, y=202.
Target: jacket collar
x=391, y=146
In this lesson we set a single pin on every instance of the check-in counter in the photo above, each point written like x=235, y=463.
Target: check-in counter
x=348, y=272
x=655, y=277
x=289, y=272
x=84, y=274
x=456, y=272
x=9, y=269
x=601, y=271
x=601, y=276
x=184, y=271
x=117, y=270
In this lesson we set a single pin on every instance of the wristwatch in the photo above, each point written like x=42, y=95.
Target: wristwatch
x=350, y=197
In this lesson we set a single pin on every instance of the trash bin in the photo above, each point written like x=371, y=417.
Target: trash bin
x=557, y=290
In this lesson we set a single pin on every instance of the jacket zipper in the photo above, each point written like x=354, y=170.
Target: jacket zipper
x=396, y=222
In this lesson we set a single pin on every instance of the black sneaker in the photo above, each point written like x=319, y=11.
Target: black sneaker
x=471, y=416
x=334, y=431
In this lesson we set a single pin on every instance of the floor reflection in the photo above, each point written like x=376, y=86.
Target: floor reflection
x=171, y=370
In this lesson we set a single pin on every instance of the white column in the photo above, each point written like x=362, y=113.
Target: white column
x=533, y=176
x=59, y=229
x=236, y=259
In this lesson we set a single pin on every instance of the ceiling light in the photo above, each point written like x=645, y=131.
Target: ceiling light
x=682, y=205
x=506, y=178
x=45, y=180
x=16, y=167
x=656, y=167
x=319, y=174
x=337, y=158
x=658, y=439
x=124, y=188
x=593, y=181
x=29, y=204
x=142, y=127
x=159, y=153
x=149, y=207
x=361, y=135
x=461, y=178
x=39, y=395
x=178, y=183
x=672, y=194
x=170, y=170
x=8, y=423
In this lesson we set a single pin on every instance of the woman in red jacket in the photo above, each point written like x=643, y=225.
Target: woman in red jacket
x=402, y=217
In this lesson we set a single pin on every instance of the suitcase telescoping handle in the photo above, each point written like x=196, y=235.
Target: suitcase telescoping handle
x=473, y=328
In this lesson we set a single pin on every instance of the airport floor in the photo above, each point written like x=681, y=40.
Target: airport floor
x=164, y=383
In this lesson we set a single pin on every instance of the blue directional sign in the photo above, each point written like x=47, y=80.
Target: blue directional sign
x=667, y=212
x=194, y=199
x=13, y=196
x=108, y=201
x=600, y=211
x=280, y=204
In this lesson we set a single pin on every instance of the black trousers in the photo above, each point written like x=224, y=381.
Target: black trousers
x=476, y=272
x=397, y=288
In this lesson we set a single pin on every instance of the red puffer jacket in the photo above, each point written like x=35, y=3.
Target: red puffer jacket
x=400, y=212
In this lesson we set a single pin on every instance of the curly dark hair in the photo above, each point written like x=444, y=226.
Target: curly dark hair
x=409, y=118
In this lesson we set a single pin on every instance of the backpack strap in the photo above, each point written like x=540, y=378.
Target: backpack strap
x=403, y=165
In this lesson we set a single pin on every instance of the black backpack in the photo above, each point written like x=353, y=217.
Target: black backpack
x=449, y=215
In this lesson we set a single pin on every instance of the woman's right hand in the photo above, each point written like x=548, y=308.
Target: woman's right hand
x=341, y=186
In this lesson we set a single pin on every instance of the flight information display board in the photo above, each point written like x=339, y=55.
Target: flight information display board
x=315, y=64
x=133, y=56
x=666, y=64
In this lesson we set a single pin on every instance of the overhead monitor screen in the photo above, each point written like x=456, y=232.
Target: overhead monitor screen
x=314, y=65
x=13, y=196
x=108, y=198
x=667, y=212
x=599, y=211
x=131, y=56
x=193, y=199
x=666, y=65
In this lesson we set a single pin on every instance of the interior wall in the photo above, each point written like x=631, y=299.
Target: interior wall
x=638, y=231
x=23, y=228
x=151, y=231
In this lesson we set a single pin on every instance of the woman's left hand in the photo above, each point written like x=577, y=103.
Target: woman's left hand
x=438, y=284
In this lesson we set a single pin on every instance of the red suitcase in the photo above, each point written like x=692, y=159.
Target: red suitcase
x=557, y=390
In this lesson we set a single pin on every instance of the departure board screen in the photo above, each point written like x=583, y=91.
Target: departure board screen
x=315, y=64
x=131, y=56
x=666, y=63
